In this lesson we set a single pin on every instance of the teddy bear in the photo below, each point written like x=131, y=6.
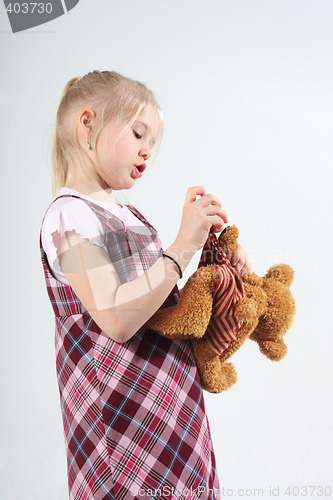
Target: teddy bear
x=219, y=309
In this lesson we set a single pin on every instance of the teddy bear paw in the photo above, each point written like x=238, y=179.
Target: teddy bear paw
x=245, y=310
x=275, y=350
x=219, y=380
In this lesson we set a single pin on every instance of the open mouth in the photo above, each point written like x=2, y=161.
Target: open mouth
x=141, y=168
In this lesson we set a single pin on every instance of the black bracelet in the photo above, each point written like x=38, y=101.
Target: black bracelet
x=180, y=271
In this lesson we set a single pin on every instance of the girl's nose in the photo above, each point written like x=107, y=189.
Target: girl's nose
x=145, y=153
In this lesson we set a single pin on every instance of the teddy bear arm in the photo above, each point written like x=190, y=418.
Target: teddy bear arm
x=275, y=350
x=190, y=317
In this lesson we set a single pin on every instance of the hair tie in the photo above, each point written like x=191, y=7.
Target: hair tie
x=179, y=269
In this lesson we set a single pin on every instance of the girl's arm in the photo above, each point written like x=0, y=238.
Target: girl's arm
x=119, y=310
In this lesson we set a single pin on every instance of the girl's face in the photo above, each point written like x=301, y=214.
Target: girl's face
x=121, y=154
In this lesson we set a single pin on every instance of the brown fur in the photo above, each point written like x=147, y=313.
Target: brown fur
x=267, y=312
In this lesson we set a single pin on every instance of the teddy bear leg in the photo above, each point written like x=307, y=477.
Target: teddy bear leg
x=215, y=376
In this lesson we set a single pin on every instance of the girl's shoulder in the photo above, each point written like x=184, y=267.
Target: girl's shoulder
x=66, y=214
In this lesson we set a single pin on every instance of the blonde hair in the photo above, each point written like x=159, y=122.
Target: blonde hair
x=111, y=96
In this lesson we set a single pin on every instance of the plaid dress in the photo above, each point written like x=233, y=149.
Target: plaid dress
x=134, y=417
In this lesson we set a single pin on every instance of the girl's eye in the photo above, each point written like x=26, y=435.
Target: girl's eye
x=138, y=136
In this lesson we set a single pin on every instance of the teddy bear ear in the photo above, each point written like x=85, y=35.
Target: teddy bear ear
x=228, y=240
x=281, y=272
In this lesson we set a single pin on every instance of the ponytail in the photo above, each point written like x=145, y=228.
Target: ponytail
x=68, y=86
x=59, y=159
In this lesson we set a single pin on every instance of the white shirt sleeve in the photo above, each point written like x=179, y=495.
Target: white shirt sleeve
x=68, y=214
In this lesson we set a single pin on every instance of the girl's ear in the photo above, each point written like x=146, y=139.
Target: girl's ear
x=86, y=118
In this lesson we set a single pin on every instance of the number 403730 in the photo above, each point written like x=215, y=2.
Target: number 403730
x=29, y=8
x=308, y=491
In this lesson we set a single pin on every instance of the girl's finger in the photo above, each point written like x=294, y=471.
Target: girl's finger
x=235, y=258
x=239, y=266
x=211, y=210
x=248, y=265
x=209, y=199
x=193, y=192
x=241, y=262
x=237, y=255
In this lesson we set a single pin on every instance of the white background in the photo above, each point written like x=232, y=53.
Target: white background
x=246, y=87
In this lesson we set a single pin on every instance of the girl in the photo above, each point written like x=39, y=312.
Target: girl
x=134, y=418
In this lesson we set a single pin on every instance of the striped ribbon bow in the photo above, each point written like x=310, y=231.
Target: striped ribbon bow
x=223, y=326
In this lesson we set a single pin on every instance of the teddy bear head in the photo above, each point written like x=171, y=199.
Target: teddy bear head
x=269, y=305
x=277, y=316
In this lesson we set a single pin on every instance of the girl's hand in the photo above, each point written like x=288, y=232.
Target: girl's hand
x=199, y=215
x=240, y=260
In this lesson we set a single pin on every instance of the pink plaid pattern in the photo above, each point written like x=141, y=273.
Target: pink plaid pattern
x=134, y=417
